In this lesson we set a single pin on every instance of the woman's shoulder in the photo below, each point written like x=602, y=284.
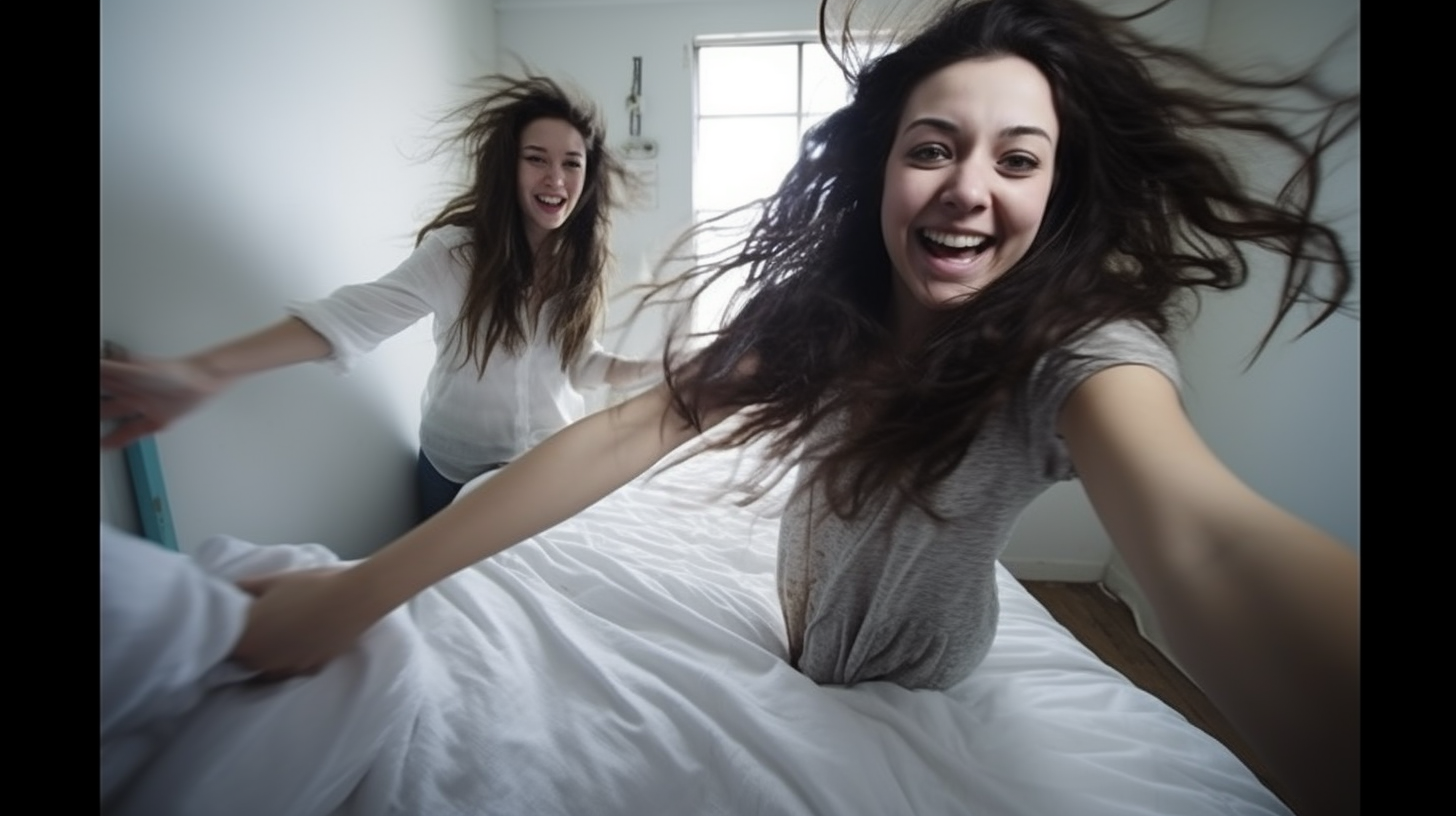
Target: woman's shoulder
x=448, y=237
x=444, y=254
x=1118, y=342
x=1116, y=338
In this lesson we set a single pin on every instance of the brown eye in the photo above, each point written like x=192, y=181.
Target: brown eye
x=929, y=153
x=1020, y=163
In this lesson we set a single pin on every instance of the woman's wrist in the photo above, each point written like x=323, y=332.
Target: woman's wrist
x=208, y=370
x=371, y=589
x=289, y=341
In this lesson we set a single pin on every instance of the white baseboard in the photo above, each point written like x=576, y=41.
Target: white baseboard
x=1041, y=569
x=1114, y=578
x=1119, y=582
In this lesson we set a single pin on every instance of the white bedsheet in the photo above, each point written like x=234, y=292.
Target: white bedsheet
x=630, y=661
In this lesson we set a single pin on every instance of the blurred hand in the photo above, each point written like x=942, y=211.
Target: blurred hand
x=298, y=622
x=144, y=396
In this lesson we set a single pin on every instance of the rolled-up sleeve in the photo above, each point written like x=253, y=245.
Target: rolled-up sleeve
x=590, y=369
x=357, y=318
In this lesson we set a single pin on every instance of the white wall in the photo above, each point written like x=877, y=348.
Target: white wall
x=252, y=153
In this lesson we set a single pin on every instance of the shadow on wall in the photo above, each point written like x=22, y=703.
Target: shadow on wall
x=295, y=455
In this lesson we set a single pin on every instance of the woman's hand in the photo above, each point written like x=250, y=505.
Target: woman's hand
x=145, y=396
x=299, y=621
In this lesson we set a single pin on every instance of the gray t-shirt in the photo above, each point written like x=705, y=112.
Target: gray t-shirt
x=912, y=601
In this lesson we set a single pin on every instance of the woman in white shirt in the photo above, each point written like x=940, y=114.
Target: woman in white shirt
x=513, y=270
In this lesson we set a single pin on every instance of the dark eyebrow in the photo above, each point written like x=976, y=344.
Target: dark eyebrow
x=935, y=123
x=1025, y=130
x=947, y=126
x=577, y=153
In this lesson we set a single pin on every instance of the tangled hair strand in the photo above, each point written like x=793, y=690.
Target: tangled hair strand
x=1146, y=210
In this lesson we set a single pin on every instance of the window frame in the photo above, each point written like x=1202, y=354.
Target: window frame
x=708, y=309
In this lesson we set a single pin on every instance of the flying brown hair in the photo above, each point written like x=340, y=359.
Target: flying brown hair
x=1144, y=212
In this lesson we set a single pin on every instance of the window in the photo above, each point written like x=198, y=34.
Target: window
x=755, y=99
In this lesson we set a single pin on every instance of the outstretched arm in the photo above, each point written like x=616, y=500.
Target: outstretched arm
x=1260, y=607
x=144, y=396
x=300, y=621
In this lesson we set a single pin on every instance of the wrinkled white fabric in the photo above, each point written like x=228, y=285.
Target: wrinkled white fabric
x=633, y=661
x=184, y=732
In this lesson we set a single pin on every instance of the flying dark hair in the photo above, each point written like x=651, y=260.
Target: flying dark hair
x=1143, y=212
x=507, y=285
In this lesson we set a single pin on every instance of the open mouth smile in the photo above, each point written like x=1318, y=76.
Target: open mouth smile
x=954, y=245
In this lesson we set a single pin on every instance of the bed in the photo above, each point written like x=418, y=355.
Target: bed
x=630, y=661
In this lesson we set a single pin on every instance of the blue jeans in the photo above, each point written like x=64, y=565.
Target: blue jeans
x=433, y=491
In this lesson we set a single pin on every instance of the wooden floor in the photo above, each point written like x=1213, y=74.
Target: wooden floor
x=1106, y=626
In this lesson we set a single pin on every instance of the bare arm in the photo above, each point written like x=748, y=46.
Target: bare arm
x=144, y=396
x=301, y=621
x=1259, y=606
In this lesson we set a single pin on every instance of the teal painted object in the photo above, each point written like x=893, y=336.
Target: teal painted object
x=151, y=492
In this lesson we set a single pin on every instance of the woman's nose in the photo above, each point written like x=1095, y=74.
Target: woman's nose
x=966, y=189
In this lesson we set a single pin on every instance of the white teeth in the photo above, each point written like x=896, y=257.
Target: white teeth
x=550, y=201
x=954, y=240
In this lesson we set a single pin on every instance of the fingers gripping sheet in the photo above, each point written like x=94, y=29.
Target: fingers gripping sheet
x=629, y=661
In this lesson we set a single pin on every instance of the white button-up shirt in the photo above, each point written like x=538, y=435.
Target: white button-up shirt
x=469, y=421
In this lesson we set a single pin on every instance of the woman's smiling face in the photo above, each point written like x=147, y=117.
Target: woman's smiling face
x=550, y=174
x=966, y=182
